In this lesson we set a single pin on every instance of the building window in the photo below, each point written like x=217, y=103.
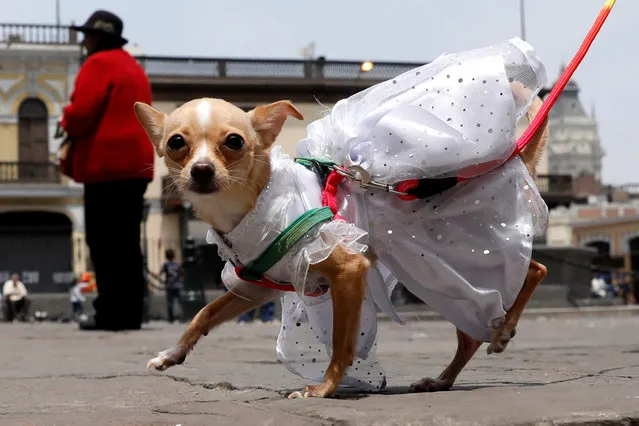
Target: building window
x=33, y=138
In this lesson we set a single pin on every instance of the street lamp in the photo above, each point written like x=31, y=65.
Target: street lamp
x=367, y=66
x=522, y=19
x=194, y=298
x=57, y=20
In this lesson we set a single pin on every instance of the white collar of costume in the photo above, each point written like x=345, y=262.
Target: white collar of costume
x=291, y=191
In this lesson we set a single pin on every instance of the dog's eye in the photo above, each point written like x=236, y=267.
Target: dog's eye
x=234, y=142
x=175, y=143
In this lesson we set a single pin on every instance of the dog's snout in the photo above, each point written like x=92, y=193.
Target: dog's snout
x=203, y=177
x=202, y=171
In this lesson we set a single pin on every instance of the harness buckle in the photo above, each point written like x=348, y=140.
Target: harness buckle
x=359, y=174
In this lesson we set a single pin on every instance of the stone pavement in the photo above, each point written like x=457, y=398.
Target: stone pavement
x=563, y=370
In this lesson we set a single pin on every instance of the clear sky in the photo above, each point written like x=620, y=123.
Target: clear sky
x=402, y=30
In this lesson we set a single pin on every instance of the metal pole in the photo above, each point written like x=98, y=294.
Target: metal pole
x=57, y=18
x=194, y=298
x=57, y=12
x=522, y=19
x=146, y=302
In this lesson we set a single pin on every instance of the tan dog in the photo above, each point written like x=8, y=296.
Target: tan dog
x=218, y=155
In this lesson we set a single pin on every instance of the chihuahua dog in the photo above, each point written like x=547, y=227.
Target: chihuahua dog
x=218, y=157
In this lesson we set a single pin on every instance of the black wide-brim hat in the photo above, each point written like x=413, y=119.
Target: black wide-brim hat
x=104, y=23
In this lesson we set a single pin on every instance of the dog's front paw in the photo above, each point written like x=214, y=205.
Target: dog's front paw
x=314, y=391
x=500, y=339
x=168, y=358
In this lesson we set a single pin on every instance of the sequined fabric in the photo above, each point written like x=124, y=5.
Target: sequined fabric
x=465, y=252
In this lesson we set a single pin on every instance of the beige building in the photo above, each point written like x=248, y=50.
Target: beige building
x=611, y=228
x=41, y=220
x=41, y=212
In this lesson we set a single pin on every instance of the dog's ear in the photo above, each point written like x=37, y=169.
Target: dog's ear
x=268, y=120
x=153, y=122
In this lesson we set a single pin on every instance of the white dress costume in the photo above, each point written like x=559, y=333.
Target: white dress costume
x=465, y=252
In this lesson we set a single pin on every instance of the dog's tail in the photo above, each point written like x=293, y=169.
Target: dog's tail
x=534, y=149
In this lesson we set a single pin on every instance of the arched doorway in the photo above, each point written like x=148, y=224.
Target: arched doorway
x=603, y=247
x=37, y=245
x=33, y=140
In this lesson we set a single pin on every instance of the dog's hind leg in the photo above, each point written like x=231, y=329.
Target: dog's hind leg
x=506, y=331
x=466, y=348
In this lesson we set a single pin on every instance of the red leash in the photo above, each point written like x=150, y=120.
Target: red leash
x=564, y=79
x=525, y=138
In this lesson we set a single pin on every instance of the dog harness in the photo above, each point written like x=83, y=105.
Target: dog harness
x=254, y=271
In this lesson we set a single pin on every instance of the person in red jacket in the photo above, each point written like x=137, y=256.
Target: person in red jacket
x=113, y=157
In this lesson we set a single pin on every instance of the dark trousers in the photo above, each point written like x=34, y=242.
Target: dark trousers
x=112, y=218
x=19, y=309
x=77, y=308
x=172, y=296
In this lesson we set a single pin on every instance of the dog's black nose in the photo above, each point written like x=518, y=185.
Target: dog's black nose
x=202, y=172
